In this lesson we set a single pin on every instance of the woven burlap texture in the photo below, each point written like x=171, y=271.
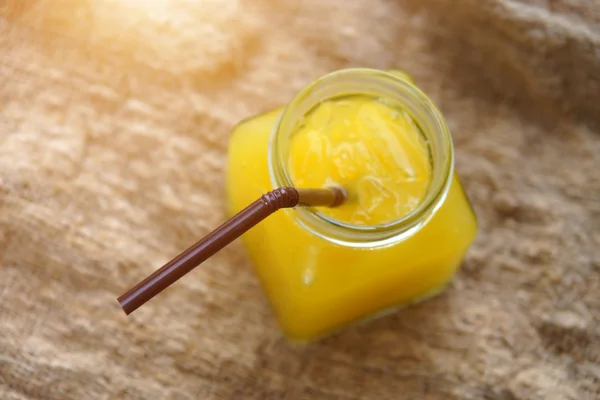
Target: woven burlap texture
x=114, y=122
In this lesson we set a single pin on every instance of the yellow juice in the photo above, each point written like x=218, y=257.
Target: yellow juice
x=374, y=150
x=379, y=153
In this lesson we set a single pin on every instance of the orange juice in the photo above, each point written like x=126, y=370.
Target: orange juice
x=372, y=149
x=406, y=227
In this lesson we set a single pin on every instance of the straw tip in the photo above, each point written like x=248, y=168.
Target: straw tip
x=125, y=305
x=341, y=195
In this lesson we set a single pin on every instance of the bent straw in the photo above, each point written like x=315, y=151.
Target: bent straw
x=266, y=205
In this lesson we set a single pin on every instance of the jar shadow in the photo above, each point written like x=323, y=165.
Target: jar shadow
x=390, y=354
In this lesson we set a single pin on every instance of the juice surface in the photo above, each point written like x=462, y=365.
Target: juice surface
x=368, y=146
x=315, y=286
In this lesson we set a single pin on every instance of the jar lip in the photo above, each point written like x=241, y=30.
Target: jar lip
x=312, y=218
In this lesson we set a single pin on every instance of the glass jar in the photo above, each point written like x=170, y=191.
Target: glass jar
x=320, y=274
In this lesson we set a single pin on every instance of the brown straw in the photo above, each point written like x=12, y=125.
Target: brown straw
x=241, y=222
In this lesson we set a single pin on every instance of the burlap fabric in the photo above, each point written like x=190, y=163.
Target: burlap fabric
x=114, y=122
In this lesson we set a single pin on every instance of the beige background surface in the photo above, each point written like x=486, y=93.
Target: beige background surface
x=114, y=121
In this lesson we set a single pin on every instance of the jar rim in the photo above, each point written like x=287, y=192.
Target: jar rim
x=367, y=235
